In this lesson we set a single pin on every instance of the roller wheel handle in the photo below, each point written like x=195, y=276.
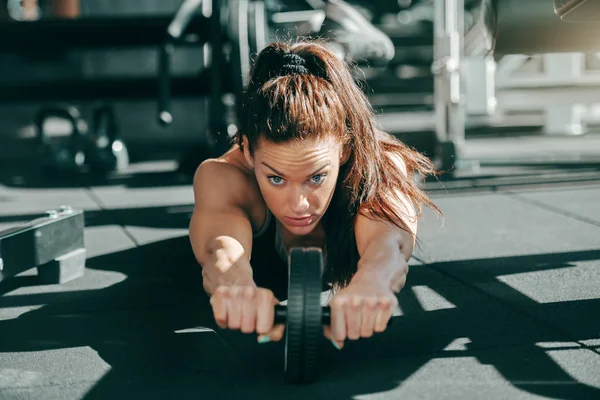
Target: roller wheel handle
x=281, y=315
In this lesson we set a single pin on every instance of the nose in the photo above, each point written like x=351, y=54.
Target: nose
x=299, y=201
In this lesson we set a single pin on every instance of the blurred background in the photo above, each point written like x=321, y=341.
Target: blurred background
x=104, y=89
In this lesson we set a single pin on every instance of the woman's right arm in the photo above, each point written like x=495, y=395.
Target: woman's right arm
x=221, y=237
x=220, y=228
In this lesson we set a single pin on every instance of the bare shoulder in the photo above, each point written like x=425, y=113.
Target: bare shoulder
x=397, y=198
x=223, y=181
x=394, y=156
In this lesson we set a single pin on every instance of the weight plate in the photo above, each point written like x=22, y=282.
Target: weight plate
x=304, y=315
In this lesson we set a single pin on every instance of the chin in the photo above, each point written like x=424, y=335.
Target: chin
x=300, y=230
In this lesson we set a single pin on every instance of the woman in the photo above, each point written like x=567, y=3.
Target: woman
x=309, y=168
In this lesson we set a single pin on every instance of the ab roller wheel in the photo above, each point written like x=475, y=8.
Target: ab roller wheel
x=304, y=317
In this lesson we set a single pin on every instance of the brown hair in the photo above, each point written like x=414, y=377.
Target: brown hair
x=302, y=90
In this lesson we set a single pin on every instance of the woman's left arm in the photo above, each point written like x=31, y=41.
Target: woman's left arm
x=384, y=251
x=383, y=247
x=365, y=306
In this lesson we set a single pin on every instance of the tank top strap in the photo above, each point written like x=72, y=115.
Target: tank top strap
x=265, y=226
x=280, y=247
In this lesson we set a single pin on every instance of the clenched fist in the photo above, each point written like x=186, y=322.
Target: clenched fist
x=360, y=310
x=247, y=308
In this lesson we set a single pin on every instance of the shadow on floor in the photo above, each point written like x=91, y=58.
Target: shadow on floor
x=138, y=327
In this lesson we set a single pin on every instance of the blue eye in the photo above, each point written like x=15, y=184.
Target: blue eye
x=275, y=180
x=318, y=179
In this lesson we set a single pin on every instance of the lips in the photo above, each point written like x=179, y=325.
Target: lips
x=299, y=221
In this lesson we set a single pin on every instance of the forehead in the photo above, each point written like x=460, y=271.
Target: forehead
x=298, y=152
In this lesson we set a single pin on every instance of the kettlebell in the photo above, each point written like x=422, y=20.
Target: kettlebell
x=64, y=156
x=107, y=152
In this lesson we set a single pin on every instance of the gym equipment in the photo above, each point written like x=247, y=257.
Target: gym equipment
x=560, y=86
x=577, y=10
x=244, y=33
x=247, y=33
x=53, y=244
x=245, y=27
x=258, y=26
x=361, y=41
x=90, y=32
x=106, y=152
x=62, y=156
x=505, y=27
x=238, y=29
x=449, y=99
x=532, y=27
x=56, y=38
x=304, y=316
x=218, y=139
x=174, y=35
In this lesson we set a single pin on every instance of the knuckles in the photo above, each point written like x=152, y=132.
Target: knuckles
x=248, y=293
x=360, y=301
x=245, y=307
x=361, y=314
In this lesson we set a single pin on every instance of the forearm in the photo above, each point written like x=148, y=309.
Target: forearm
x=224, y=262
x=385, y=260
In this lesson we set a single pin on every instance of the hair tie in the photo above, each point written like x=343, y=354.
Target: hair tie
x=293, y=64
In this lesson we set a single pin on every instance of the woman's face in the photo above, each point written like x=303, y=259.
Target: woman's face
x=297, y=180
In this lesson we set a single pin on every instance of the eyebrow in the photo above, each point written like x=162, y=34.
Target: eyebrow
x=283, y=175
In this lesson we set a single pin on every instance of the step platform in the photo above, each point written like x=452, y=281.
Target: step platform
x=53, y=244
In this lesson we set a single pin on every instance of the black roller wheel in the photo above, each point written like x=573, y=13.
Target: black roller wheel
x=304, y=315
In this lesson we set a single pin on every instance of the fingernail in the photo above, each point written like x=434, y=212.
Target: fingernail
x=337, y=346
x=264, y=339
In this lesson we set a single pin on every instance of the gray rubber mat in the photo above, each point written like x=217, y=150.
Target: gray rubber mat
x=499, y=303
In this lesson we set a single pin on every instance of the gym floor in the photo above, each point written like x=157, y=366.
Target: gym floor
x=501, y=301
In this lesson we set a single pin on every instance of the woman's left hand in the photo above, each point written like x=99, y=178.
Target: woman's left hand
x=359, y=310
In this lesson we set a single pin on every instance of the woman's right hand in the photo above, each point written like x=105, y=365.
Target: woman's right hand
x=247, y=308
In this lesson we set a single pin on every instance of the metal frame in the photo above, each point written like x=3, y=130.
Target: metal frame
x=448, y=85
x=562, y=89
